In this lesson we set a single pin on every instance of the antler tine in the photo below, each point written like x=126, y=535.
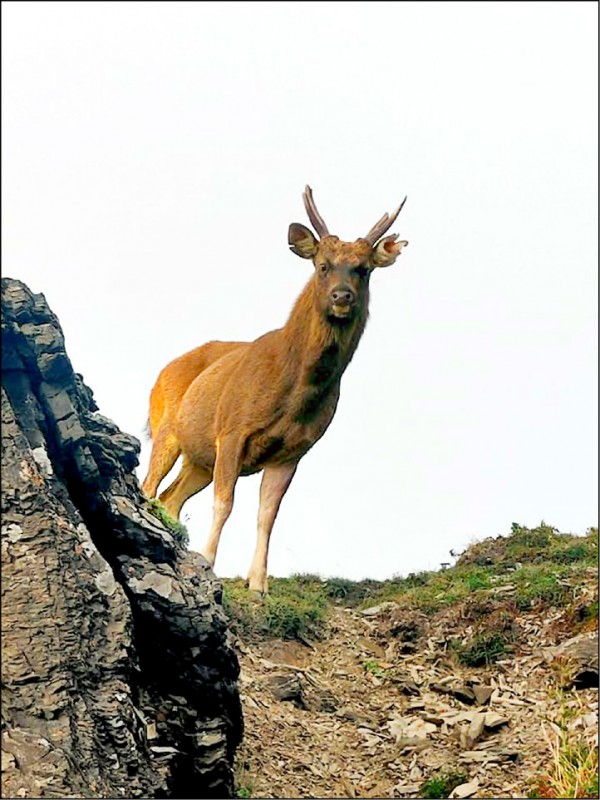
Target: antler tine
x=313, y=215
x=384, y=224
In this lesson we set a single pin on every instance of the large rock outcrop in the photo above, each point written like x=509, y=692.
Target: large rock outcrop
x=119, y=679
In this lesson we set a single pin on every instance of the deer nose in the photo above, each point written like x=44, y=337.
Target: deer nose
x=342, y=296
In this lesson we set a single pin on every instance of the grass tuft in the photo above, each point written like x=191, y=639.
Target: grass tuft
x=294, y=608
x=483, y=650
x=573, y=771
x=179, y=531
x=443, y=784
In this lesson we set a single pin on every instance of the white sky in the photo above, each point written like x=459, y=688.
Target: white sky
x=154, y=155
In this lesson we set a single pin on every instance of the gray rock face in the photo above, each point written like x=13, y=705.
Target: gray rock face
x=118, y=676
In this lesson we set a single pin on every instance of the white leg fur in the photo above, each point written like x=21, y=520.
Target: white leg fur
x=275, y=483
x=221, y=512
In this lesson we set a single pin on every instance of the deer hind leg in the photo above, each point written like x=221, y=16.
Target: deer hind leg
x=190, y=481
x=227, y=470
x=165, y=451
x=275, y=483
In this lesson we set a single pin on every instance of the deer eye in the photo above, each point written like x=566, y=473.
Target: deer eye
x=322, y=268
x=362, y=272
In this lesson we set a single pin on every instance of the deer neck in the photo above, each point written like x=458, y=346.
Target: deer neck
x=319, y=348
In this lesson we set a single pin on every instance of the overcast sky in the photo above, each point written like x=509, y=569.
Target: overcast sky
x=154, y=155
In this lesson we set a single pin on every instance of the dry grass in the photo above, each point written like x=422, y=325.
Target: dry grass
x=573, y=771
x=573, y=768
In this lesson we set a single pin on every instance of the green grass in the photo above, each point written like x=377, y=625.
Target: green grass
x=294, y=608
x=373, y=667
x=442, y=785
x=533, y=560
x=589, y=612
x=546, y=544
x=532, y=563
x=432, y=591
x=178, y=530
x=483, y=650
x=539, y=585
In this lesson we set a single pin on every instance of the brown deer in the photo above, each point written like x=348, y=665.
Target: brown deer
x=236, y=408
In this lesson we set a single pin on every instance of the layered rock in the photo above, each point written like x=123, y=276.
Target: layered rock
x=119, y=679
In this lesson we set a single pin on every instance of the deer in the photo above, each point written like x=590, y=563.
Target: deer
x=232, y=409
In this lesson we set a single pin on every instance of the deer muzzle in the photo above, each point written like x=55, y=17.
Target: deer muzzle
x=342, y=299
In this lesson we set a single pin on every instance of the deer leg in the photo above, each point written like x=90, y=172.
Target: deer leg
x=227, y=469
x=275, y=482
x=190, y=481
x=165, y=450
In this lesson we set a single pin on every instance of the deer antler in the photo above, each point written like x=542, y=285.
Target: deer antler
x=313, y=215
x=382, y=225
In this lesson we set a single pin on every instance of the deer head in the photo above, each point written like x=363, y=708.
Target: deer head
x=343, y=269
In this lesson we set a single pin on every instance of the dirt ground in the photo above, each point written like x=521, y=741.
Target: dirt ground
x=371, y=711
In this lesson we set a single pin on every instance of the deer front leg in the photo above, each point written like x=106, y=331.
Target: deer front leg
x=275, y=482
x=226, y=472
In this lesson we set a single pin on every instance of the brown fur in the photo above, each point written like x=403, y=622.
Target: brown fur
x=165, y=399
x=235, y=408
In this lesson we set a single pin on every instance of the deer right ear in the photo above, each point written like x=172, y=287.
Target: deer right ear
x=387, y=250
x=302, y=241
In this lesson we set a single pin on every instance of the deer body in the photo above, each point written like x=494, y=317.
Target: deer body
x=279, y=393
x=260, y=406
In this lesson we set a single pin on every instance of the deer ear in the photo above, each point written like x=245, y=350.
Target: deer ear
x=301, y=241
x=387, y=251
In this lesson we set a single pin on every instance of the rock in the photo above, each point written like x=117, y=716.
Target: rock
x=405, y=629
x=576, y=661
x=357, y=717
x=405, y=687
x=374, y=611
x=410, y=727
x=322, y=701
x=288, y=652
x=412, y=743
x=368, y=646
x=492, y=720
x=113, y=635
x=475, y=729
x=287, y=686
x=465, y=789
x=496, y=755
x=406, y=788
x=482, y=693
x=463, y=693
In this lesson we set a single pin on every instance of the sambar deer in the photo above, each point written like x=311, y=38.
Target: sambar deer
x=236, y=408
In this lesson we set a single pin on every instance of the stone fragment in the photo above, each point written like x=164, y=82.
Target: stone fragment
x=374, y=611
x=287, y=687
x=494, y=720
x=475, y=729
x=482, y=693
x=465, y=789
x=463, y=693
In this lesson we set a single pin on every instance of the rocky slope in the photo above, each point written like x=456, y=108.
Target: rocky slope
x=477, y=681
x=119, y=679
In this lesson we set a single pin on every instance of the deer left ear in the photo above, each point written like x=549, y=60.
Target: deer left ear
x=386, y=251
x=301, y=241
